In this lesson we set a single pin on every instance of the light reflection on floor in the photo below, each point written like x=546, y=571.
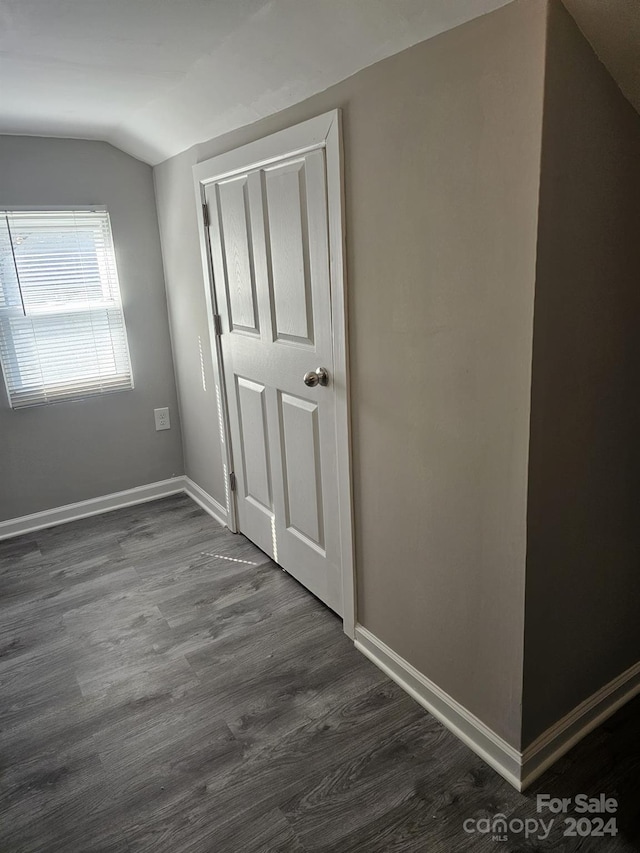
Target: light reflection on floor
x=230, y=559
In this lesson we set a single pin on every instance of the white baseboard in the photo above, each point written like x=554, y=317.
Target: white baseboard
x=206, y=501
x=518, y=768
x=107, y=503
x=585, y=717
x=94, y=506
x=473, y=732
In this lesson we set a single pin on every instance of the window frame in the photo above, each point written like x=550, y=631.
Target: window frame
x=63, y=392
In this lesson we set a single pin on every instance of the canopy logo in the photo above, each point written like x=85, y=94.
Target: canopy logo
x=500, y=828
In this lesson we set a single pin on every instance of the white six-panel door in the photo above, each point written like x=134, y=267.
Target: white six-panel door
x=269, y=243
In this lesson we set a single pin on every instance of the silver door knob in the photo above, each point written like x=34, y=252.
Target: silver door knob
x=319, y=376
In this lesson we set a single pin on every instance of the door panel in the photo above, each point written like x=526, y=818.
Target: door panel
x=254, y=442
x=270, y=257
x=287, y=230
x=302, y=469
x=233, y=210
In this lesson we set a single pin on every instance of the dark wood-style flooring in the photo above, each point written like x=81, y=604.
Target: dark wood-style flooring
x=165, y=687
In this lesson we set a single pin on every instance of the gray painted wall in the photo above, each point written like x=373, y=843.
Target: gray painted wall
x=442, y=156
x=583, y=582
x=67, y=452
x=189, y=326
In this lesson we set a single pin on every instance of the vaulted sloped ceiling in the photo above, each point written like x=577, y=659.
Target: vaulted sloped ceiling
x=613, y=28
x=156, y=76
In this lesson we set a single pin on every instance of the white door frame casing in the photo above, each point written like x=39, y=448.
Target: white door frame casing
x=322, y=132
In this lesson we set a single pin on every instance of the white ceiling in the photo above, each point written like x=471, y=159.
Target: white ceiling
x=157, y=76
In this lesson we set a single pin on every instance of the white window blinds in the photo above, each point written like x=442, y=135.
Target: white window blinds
x=62, y=330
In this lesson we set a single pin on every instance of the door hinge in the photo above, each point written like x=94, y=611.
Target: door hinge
x=232, y=481
x=205, y=213
x=217, y=324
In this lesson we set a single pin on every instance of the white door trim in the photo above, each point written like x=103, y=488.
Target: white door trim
x=321, y=132
x=216, y=351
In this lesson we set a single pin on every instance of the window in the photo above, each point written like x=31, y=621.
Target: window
x=62, y=330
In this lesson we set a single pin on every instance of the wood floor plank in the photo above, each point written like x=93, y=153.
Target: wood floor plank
x=58, y=803
x=164, y=687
